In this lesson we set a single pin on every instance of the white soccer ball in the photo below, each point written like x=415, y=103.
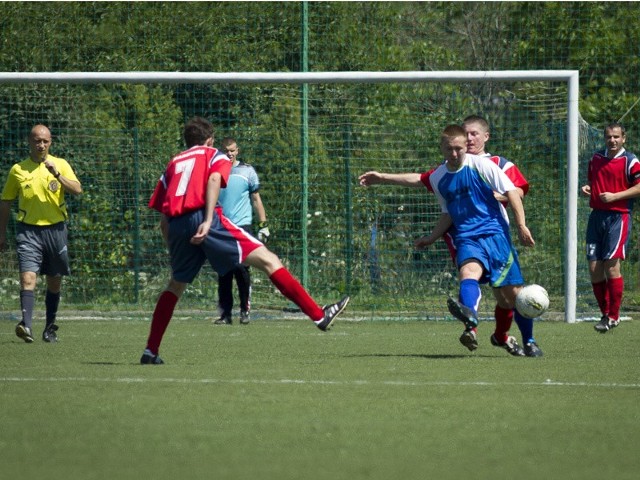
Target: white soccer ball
x=532, y=301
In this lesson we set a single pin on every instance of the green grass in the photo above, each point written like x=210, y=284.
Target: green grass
x=281, y=400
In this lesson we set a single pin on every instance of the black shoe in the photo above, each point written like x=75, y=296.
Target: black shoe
x=605, y=324
x=24, y=333
x=469, y=339
x=223, y=320
x=462, y=313
x=511, y=346
x=149, y=358
x=331, y=312
x=532, y=350
x=49, y=334
x=244, y=318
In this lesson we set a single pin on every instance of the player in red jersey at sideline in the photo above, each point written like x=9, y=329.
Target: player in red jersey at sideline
x=196, y=230
x=613, y=182
x=478, y=133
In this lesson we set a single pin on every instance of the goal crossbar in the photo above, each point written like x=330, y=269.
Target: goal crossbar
x=570, y=77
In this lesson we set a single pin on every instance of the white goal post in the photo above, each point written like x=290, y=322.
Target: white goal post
x=571, y=78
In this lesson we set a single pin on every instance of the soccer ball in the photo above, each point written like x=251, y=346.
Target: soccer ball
x=532, y=301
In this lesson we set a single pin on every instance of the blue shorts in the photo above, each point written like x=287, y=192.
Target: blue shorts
x=225, y=247
x=608, y=235
x=497, y=256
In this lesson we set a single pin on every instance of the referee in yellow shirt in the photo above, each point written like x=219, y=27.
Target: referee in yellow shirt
x=39, y=183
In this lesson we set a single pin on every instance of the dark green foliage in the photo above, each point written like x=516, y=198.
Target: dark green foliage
x=119, y=137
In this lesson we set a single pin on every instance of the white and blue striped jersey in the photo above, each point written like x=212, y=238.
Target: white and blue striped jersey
x=236, y=198
x=467, y=196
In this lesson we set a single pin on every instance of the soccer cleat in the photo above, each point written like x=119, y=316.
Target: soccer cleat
x=462, y=313
x=511, y=345
x=469, y=339
x=532, y=350
x=148, y=358
x=49, y=334
x=24, y=333
x=331, y=312
x=605, y=324
x=223, y=320
x=244, y=318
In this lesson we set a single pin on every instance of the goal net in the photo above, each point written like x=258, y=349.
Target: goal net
x=309, y=136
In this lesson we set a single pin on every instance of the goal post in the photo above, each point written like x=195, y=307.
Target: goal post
x=567, y=77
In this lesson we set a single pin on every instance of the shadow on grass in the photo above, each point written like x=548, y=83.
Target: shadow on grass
x=414, y=355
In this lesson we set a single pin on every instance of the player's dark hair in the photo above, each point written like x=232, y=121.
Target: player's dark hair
x=476, y=119
x=616, y=125
x=226, y=141
x=197, y=131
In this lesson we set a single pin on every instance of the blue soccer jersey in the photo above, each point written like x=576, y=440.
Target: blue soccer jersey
x=235, y=199
x=467, y=196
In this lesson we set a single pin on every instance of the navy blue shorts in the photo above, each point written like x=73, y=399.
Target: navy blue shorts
x=225, y=247
x=608, y=235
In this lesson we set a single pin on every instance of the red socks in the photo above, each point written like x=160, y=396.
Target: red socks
x=291, y=288
x=160, y=320
x=602, y=296
x=615, y=287
x=504, y=318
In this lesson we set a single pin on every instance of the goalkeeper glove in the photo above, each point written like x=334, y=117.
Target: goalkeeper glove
x=263, y=232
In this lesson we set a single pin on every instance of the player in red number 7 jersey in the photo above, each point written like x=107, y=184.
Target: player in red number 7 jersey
x=196, y=230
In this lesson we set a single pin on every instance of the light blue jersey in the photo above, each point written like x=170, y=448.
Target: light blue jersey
x=467, y=196
x=236, y=198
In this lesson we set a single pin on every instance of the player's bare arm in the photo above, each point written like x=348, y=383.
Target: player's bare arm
x=633, y=192
x=402, y=179
x=444, y=223
x=164, y=228
x=70, y=186
x=5, y=210
x=524, y=234
x=503, y=198
x=213, y=191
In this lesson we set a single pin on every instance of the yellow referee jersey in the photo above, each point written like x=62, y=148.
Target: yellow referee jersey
x=40, y=195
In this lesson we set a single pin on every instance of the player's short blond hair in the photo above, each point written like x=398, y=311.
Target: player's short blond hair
x=452, y=131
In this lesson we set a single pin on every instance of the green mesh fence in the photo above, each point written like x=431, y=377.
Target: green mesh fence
x=119, y=137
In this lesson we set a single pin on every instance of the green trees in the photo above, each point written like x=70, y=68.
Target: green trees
x=119, y=137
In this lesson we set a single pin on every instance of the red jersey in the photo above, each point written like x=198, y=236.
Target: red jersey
x=612, y=175
x=183, y=186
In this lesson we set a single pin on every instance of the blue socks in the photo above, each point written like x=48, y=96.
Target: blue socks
x=470, y=294
x=525, y=325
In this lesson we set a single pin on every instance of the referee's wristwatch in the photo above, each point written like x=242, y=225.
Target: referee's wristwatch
x=57, y=176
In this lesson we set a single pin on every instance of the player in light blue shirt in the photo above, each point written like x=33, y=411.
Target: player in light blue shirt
x=238, y=200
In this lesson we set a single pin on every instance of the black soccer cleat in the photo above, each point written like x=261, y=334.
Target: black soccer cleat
x=511, y=345
x=469, y=339
x=532, y=350
x=462, y=313
x=148, y=358
x=331, y=312
x=24, y=333
x=605, y=324
x=49, y=335
x=223, y=320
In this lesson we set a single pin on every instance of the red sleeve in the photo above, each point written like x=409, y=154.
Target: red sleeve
x=516, y=176
x=157, y=198
x=424, y=178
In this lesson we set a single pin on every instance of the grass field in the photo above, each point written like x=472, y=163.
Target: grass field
x=279, y=399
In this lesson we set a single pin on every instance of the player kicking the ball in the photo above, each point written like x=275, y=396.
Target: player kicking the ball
x=465, y=185
x=196, y=230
